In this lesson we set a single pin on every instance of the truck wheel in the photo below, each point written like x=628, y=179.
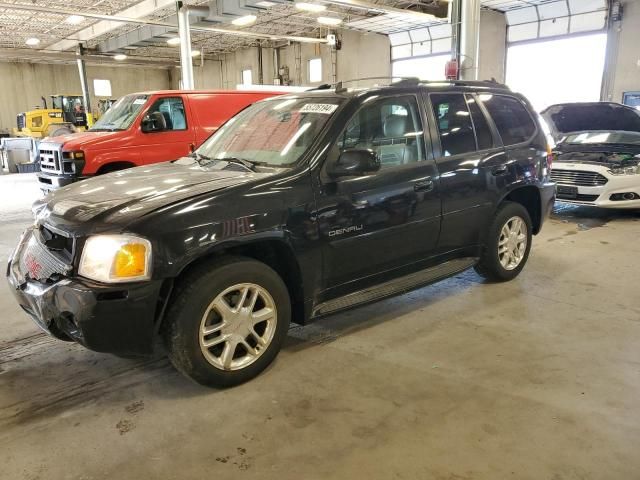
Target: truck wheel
x=227, y=321
x=56, y=132
x=507, y=245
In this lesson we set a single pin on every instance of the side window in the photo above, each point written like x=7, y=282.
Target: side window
x=391, y=127
x=454, y=123
x=480, y=125
x=172, y=109
x=512, y=119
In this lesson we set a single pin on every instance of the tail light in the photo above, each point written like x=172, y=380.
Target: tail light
x=549, y=157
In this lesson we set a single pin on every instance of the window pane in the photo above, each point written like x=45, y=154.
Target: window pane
x=584, y=6
x=454, y=123
x=247, y=77
x=422, y=48
x=522, y=15
x=420, y=35
x=428, y=68
x=399, y=38
x=588, y=22
x=440, y=31
x=484, y=137
x=315, y=70
x=441, y=46
x=172, y=110
x=511, y=118
x=101, y=88
x=526, y=31
x=403, y=51
x=390, y=127
x=553, y=10
x=557, y=26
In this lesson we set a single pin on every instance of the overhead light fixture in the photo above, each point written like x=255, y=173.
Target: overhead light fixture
x=195, y=53
x=310, y=7
x=32, y=41
x=120, y=57
x=329, y=20
x=174, y=41
x=246, y=20
x=265, y=4
x=74, y=19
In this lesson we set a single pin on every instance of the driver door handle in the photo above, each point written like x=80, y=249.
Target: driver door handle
x=501, y=170
x=423, y=186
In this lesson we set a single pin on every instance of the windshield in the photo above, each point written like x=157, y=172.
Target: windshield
x=122, y=114
x=274, y=132
x=632, y=138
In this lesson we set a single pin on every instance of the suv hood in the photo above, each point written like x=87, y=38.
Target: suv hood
x=579, y=117
x=76, y=141
x=118, y=198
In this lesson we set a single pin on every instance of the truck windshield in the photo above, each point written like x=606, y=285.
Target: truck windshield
x=122, y=114
x=274, y=132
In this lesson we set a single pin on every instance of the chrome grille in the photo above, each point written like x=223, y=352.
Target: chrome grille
x=578, y=177
x=39, y=263
x=50, y=157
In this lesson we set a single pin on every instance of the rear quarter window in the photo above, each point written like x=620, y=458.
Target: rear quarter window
x=512, y=119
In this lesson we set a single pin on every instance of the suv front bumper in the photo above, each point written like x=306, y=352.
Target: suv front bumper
x=53, y=182
x=105, y=318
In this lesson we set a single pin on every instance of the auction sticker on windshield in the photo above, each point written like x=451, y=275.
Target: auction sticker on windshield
x=326, y=108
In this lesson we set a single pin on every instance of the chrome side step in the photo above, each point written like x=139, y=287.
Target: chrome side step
x=396, y=286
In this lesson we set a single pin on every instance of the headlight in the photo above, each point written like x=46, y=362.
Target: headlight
x=116, y=258
x=628, y=170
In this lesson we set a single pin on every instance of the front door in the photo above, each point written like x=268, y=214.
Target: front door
x=175, y=139
x=372, y=225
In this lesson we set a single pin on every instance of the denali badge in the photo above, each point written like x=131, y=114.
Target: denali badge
x=341, y=231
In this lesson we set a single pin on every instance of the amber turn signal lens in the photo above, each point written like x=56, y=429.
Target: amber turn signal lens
x=130, y=260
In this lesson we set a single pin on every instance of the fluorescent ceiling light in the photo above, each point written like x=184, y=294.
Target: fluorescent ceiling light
x=74, y=19
x=120, y=56
x=32, y=41
x=195, y=53
x=265, y=4
x=310, y=7
x=246, y=20
x=329, y=20
x=174, y=41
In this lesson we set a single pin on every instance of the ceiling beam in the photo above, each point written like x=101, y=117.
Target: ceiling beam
x=376, y=7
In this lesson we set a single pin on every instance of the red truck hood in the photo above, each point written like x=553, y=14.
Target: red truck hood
x=76, y=141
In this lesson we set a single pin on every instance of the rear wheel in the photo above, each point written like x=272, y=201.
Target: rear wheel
x=507, y=245
x=227, y=321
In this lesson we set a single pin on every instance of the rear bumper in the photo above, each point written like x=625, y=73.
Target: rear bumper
x=104, y=318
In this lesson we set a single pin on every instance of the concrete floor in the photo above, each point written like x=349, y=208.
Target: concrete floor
x=535, y=379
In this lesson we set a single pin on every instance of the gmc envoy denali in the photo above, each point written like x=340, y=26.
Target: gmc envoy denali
x=298, y=207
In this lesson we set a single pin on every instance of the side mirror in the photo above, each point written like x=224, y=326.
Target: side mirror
x=153, y=122
x=354, y=163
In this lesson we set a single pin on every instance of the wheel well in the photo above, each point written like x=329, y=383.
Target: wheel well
x=276, y=255
x=529, y=198
x=114, y=166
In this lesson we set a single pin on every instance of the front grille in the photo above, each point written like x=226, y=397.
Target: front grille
x=38, y=262
x=578, y=177
x=50, y=158
x=577, y=198
x=20, y=121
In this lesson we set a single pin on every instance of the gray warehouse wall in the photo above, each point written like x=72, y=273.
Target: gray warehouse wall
x=22, y=84
x=626, y=74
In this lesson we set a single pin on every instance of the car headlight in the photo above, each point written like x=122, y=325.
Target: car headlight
x=627, y=170
x=116, y=258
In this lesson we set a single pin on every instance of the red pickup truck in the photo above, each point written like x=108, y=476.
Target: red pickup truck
x=140, y=128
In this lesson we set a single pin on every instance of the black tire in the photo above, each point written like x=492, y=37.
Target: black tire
x=194, y=294
x=56, y=132
x=489, y=265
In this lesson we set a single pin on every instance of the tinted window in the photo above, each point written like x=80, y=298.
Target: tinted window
x=454, y=123
x=511, y=118
x=483, y=132
x=172, y=110
x=390, y=127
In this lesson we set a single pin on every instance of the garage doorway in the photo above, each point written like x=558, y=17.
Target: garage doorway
x=558, y=71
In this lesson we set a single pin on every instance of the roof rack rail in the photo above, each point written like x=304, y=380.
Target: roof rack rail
x=339, y=86
x=493, y=83
x=414, y=81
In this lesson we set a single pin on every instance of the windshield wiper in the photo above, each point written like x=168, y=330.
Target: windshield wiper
x=204, y=159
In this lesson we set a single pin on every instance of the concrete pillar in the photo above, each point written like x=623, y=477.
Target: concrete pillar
x=470, y=39
x=83, y=79
x=184, y=32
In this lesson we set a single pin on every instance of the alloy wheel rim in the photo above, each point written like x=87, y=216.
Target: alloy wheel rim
x=238, y=326
x=512, y=244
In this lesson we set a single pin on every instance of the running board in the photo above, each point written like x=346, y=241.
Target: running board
x=396, y=286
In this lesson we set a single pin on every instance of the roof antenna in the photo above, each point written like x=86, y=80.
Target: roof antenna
x=340, y=88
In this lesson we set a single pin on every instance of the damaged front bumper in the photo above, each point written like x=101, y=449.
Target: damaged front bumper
x=105, y=318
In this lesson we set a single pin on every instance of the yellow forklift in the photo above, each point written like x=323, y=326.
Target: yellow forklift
x=66, y=115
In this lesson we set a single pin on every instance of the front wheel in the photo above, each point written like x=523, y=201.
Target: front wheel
x=507, y=245
x=227, y=321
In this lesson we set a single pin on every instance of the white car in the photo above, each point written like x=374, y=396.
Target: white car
x=597, y=154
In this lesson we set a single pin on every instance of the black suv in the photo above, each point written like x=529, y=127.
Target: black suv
x=298, y=207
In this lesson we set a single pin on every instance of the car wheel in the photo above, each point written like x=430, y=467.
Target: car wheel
x=227, y=321
x=507, y=245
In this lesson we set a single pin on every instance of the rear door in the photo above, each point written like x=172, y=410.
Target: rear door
x=470, y=160
x=176, y=139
